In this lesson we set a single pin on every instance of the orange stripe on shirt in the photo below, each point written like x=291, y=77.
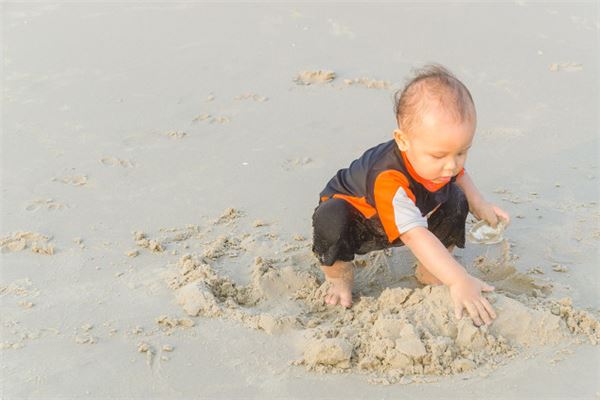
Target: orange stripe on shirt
x=387, y=184
x=360, y=203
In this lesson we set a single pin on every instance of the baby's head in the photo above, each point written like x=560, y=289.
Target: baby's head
x=436, y=123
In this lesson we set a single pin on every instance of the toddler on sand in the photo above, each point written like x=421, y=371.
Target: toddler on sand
x=413, y=191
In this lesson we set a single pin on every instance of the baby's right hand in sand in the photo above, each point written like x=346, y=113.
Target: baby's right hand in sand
x=466, y=294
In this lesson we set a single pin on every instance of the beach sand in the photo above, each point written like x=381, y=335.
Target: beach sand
x=160, y=164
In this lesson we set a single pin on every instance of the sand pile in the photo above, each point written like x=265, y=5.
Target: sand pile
x=395, y=328
x=413, y=332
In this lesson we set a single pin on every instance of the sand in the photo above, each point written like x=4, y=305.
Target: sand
x=159, y=168
x=392, y=333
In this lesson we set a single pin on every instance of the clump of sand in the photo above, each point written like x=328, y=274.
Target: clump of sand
x=142, y=241
x=566, y=66
x=19, y=241
x=222, y=246
x=369, y=83
x=312, y=77
x=229, y=216
x=176, y=134
x=578, y=322
x=84, y=335
x=168, y=324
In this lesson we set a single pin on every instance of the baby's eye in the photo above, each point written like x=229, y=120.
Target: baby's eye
x=437, y=156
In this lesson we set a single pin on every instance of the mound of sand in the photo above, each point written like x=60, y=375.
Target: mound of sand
x=392, y=331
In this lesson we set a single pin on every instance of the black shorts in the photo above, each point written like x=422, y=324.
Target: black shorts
x=340, y=231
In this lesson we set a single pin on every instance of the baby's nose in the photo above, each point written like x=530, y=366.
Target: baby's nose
x=451, y=165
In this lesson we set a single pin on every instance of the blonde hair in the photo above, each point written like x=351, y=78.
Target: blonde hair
x=432, y=86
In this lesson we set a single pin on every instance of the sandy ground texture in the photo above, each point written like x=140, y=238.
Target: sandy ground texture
x=159, y=168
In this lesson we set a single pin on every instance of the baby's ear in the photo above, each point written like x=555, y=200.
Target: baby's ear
x=401, y=139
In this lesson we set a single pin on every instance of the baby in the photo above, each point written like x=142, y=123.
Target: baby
x=412, y=190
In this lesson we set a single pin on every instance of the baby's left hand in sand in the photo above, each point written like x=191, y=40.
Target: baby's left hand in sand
x=490, y=213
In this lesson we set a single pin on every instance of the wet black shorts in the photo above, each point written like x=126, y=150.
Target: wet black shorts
x=340, y=231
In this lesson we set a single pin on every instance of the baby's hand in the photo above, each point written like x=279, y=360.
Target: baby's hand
x=490, y=213
x=466, y=293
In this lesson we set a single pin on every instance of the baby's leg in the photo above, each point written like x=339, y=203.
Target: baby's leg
x=424, y=276
x=341, y=277
x=334, y=243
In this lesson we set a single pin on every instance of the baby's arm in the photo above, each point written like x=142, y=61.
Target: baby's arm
x=464, y=288
x=477, y=204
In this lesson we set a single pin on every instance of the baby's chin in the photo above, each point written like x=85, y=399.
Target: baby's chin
x=441, y=180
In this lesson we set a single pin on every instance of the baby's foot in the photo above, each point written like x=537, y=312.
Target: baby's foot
x=340, y=291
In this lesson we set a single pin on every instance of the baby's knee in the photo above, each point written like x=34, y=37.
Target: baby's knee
x=331, y=219
x=332, y=232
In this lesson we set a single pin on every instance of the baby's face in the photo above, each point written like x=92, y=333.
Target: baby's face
x=437, y=148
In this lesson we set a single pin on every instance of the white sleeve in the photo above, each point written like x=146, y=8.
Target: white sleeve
x=406, y=214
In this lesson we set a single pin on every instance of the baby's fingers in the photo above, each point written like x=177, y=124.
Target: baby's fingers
x=483, y=313
x=492, y=218
x=502, y=214
x=458, y=309
x=473, y=313
x=488, y=307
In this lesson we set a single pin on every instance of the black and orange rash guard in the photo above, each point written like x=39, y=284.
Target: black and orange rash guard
x=382, y=184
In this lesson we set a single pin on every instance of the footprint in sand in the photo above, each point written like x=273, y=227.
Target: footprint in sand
x=117, y=162
x=75, y=180
x=48, y=204
x=295, y=163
